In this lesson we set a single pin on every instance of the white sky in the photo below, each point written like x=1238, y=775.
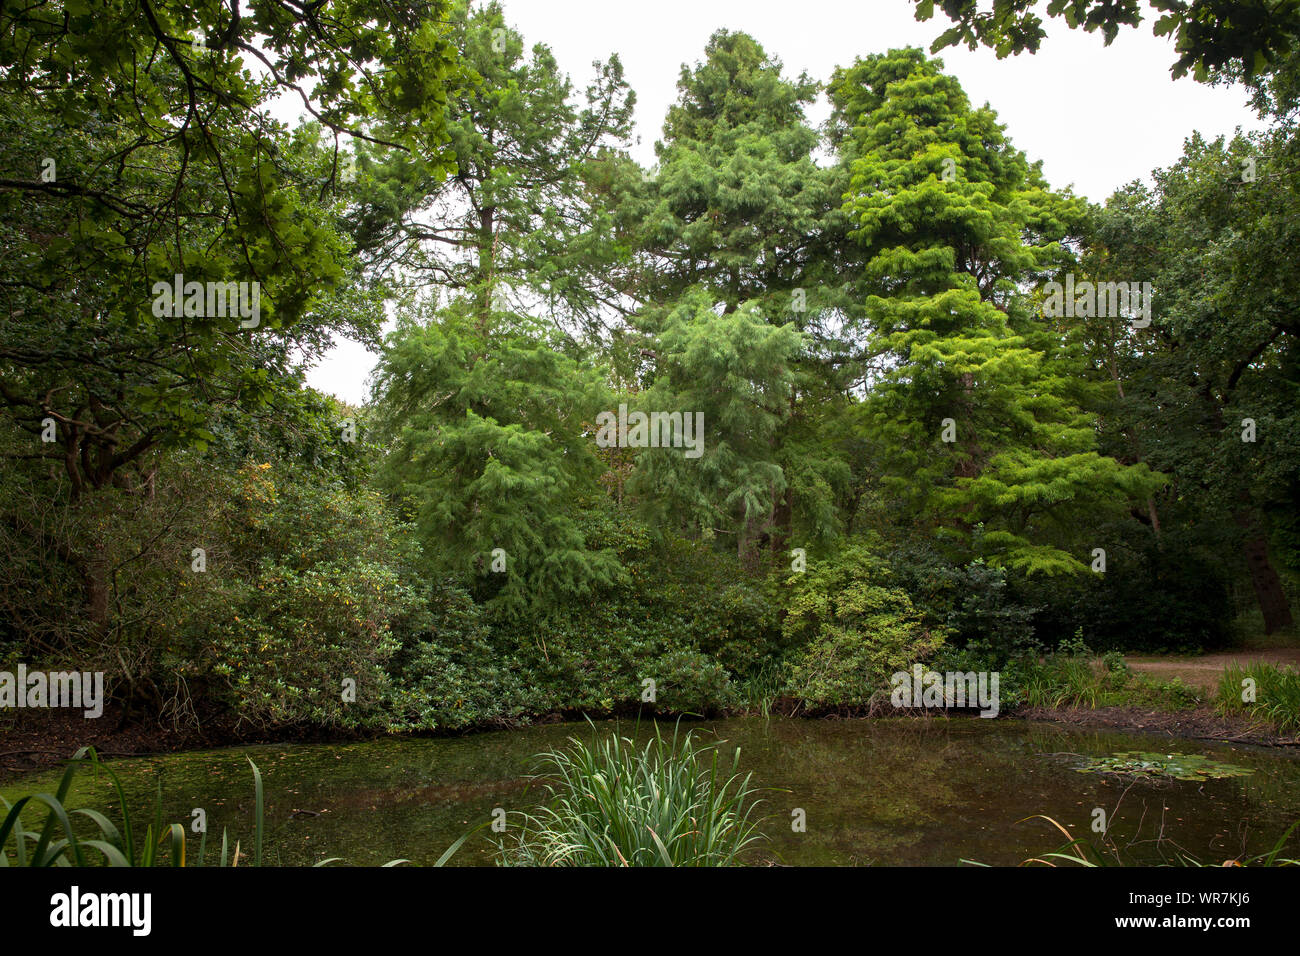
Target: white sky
x=1098, y=117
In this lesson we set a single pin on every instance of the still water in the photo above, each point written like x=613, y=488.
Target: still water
x=929, y=792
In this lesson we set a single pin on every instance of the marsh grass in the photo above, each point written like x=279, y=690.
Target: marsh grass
x=1080, y=851
x=1277, y=695
x=759, y=694
x=1067, y=679
x=56, y=841
x=671, y=802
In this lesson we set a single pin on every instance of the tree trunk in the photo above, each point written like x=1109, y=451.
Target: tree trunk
x=749, y=544
x=1268, y=586
x=782, y=518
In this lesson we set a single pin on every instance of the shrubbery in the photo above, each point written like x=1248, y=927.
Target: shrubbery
x=856, y=629
x=313, y=580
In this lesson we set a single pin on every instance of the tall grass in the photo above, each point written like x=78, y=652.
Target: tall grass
x=671, y=802
x=1277, y=695
x=1070, y=678
x=112, y=845
x=760, y=692
x=1080, y=851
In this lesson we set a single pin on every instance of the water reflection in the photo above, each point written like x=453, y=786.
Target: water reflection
x=899, y=792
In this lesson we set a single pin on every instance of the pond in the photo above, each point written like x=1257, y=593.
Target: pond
x=903, y=791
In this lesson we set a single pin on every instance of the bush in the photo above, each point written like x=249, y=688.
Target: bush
x=1152, y=598
x=856, y=630
x=1277, y=695
x=974, y=604
x=315, y=587
x=449, y=675
x=669, y=803
x=689, y=682
x=683, y=620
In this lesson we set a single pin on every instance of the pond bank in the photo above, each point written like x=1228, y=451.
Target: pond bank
x=51, y=737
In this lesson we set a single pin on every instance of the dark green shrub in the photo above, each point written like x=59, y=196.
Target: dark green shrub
x=1151, y=598
x=974, y=603
x=449, y=675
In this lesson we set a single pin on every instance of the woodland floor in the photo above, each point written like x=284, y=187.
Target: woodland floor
x=1203, y=670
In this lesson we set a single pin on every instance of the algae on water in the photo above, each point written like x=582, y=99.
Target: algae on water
x=1173, y=766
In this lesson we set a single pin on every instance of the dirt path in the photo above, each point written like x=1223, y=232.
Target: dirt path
x=1204, y=671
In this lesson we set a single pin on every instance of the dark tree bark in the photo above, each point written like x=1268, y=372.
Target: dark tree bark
x=1263, y=576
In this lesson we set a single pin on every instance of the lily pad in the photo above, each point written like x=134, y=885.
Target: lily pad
x=1173, y=766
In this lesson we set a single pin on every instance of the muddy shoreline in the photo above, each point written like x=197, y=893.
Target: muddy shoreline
x=49, y=738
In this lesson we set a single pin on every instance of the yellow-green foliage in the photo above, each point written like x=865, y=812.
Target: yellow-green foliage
x=857, y=630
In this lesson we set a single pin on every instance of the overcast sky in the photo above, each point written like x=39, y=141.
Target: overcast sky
x=1098, y=117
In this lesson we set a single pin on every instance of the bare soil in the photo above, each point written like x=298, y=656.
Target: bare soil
x=1199, y=724
x=1204, y=670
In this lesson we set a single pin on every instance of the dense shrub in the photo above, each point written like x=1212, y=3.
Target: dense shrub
x=974, y=603
x=1165, y=596
x=316, y=586
x=449, y=675
x=687, y=618
x=856, y=629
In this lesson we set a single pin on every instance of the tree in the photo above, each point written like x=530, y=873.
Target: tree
x=978, y=406
x=1211, y=391
x=742, y=217
x=1209, y=35
x=492, y=456
x=161, y=160
x=525, y=222
x=739, y=202
x=734, y=370
x=138, y=147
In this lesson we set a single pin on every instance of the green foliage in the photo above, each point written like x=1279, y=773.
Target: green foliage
x=1218, y=352
x=165, y=163
x=981, y=420
x=489, y=450
x=863, y=339
x=317, y=593
x=735, y=369
x=1073, y=677
x=975, y=604
x=744, y=299
x=1248, y=36
x=856, y=629
x=595, y=660
x=450, y=673
x=1172, y=597
x=1276, y=695
x=739, y=202
x=672, y=802
x=529, y=220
